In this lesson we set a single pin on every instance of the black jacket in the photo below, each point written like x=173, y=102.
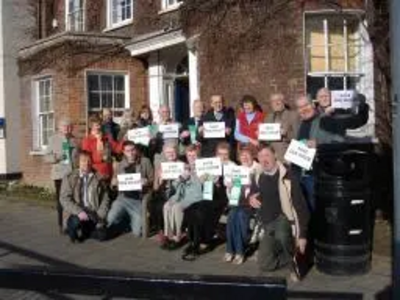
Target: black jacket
x=208, y=146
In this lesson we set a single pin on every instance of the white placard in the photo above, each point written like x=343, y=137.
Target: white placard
x=140, y=136
x=231, y=172
x=269, y=132
x=172, y=170
x=129, y=182
x=342, y=99
x=169, y=131
x=214, y=130
x=299, y=154
x=209, y=166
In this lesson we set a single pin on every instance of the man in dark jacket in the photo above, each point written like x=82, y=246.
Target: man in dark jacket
x=190, y=127
x=218, y=113
x=324, y=128
x=282, y=210
x=109, y=126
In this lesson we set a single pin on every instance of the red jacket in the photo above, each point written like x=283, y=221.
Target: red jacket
x=89, y=144
x=250, y=129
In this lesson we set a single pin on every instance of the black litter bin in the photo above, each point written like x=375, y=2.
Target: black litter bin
x=343, y=213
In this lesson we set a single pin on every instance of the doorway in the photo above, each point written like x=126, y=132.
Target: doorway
x=182, y=101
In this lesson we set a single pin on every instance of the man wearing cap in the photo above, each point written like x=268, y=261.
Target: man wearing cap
x=60, y=153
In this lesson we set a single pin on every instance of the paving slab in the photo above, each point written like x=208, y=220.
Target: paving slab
x=29, y=237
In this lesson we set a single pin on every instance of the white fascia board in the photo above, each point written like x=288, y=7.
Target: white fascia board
x=156, y=43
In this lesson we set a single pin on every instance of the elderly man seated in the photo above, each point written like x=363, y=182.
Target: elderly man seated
x=85, y=201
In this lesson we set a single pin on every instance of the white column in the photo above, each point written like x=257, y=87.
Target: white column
x=193, y=77
x=155, y=84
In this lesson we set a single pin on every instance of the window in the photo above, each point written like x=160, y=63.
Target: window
x=171, y=4
x=333, y=51
x=75, y=15
x=120, y=12
x=43, y=121
x=107, y=90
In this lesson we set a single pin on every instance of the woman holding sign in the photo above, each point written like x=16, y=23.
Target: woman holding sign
x=202, y=217
x=217, y=126
x=163, y=188
x=247, y=122
x=237, y=228
x=187, y=190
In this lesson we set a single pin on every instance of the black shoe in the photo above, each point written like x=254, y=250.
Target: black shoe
x=100, y=234
x=300, y=266
x=190, y=253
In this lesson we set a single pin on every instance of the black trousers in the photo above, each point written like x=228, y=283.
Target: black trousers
x=201, y=219
x=57, y=185
x=80, y=231
x=156, y=207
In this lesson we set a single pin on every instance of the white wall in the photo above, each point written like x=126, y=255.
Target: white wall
x=14, y=21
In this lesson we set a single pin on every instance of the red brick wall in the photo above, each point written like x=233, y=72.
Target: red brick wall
x=236, y=61
x=70, y=101
x=240, y=58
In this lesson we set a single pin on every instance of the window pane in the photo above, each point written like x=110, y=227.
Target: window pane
x=119, y=100
x=337, y=59
x=93, y=83
x=94, y=100
x=106, y=100
x=119, y=83
x=316, y=44
x=106, y=83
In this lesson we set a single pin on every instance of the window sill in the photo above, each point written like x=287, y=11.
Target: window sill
x=170, y=8
x=37, y=153
x=118, y=25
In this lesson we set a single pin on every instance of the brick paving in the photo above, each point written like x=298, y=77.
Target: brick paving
x=28, y=237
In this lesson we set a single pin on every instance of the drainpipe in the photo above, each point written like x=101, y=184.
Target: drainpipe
x=395, y=69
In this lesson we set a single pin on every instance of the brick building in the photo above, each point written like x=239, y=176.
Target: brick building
x=91, y=54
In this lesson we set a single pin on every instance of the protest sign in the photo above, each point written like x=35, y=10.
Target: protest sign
x=269, y=132
x=172, y=170
x=140, y=136
x=129, y=182
x=299, y=154
x=209, y=166
x=342, y=99
x=232, y=172
x=169, y=131
x=214, y=130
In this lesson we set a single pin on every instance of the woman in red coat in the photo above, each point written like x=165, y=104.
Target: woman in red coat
x=102, y=147
x=247, y=122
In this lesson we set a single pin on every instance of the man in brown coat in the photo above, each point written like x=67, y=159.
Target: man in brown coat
x=288, y=119
x=85, y=201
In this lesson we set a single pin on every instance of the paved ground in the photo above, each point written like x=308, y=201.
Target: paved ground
x=28, y=238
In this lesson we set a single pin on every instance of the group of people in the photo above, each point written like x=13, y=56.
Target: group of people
x=273, y=209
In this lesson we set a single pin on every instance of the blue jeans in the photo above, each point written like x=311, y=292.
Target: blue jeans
x=307, y=184
x=123, y=208
x=237, y=231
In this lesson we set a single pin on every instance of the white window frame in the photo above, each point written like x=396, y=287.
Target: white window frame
x=166, y=6
x=110, y=11
x=69, y=13
x=38, y=136
x=100, y=73
x=328, y=73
